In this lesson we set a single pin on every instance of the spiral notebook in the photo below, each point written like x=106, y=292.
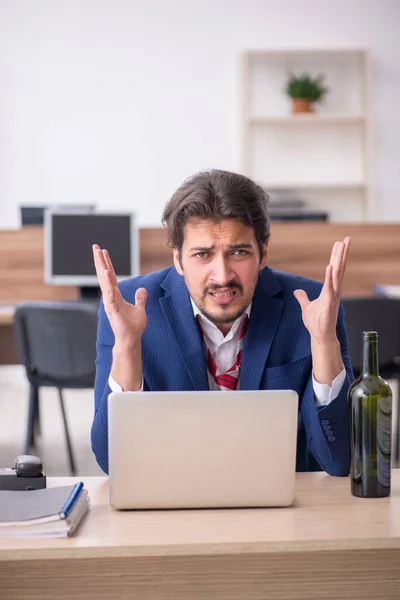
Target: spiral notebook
x=51, y=512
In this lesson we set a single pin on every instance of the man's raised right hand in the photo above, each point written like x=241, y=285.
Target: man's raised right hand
x=128, y=321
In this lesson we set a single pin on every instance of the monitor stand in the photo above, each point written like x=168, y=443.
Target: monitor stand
x=88, y=292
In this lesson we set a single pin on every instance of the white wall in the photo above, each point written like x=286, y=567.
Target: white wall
x=117, y=101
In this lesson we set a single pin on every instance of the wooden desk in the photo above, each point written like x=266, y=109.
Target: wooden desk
x=302, y=248
x=328, y=545
x=6, y=315
x=8, y=350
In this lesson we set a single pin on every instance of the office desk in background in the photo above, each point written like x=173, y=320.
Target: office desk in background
x=301, y=248
x=8, y=351
x=388, y=291
x=6, y=315
x=328, y=545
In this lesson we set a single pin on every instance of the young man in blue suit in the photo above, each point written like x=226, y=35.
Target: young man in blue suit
x=221, y=319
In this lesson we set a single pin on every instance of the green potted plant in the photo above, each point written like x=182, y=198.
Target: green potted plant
x=304, y=91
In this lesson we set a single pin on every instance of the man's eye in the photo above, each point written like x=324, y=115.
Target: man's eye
x=240, y=252
x=202, y=254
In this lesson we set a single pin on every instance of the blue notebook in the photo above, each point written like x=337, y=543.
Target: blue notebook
x=54, y=512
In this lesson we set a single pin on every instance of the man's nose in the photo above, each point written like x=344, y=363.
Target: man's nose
x=222, y=272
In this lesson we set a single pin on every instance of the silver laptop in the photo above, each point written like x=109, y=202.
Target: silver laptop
x=202, y=449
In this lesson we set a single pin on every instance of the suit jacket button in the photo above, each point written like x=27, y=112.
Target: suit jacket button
x=331, y=438
x=325, y=422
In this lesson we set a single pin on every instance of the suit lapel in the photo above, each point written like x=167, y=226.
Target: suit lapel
x=266, y=312
x=264, y=319
x=178, y=313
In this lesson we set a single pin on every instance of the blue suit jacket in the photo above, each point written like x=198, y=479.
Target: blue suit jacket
x=276, y=355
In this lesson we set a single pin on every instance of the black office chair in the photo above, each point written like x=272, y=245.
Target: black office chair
x=56, y=342
x=364, y=313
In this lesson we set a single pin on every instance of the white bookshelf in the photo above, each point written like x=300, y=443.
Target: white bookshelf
x=324, y=157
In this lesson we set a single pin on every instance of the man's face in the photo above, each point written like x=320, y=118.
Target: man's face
x=220, y=263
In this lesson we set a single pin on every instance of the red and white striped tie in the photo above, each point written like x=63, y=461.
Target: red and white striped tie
x=230, y=378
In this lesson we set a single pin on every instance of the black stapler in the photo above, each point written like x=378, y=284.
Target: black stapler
x=26, y=474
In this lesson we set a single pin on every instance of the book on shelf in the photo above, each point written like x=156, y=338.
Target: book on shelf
x=287, y=197
x=51, y=512
x=298, y=215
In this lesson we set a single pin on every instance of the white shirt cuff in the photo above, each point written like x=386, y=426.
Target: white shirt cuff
x=324, y=394
x=115, y=387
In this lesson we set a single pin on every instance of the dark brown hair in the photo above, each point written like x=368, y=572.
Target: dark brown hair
x=217, y=195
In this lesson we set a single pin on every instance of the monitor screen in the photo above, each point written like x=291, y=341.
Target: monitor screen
x=69, y=238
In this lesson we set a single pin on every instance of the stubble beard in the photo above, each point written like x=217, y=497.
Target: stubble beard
x=228, y=317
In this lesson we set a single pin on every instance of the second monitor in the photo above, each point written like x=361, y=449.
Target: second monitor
x=68, y=247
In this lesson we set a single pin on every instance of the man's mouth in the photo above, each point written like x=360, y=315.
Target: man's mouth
x=226, y=294
x=223, y=296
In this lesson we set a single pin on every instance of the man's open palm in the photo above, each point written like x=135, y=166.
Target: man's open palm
x=128, y=321
x=320, y=315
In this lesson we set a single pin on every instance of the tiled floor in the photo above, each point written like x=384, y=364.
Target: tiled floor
x=51, y=445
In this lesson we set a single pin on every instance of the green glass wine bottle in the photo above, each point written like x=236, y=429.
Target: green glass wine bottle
x=370, y=412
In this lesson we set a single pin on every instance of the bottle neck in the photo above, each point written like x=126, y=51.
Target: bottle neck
x=370, y=354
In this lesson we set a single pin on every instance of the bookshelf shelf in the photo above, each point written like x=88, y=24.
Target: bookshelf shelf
x=313, y=119
x=325, y=156
x=301, y=185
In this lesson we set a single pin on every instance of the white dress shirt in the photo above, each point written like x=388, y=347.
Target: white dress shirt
x=224, y=350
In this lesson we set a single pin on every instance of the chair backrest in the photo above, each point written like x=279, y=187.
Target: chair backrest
x=374, y=314
x=56, y=342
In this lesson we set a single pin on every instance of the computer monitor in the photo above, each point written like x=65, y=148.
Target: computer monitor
x=68, y=246
x=34, y=215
